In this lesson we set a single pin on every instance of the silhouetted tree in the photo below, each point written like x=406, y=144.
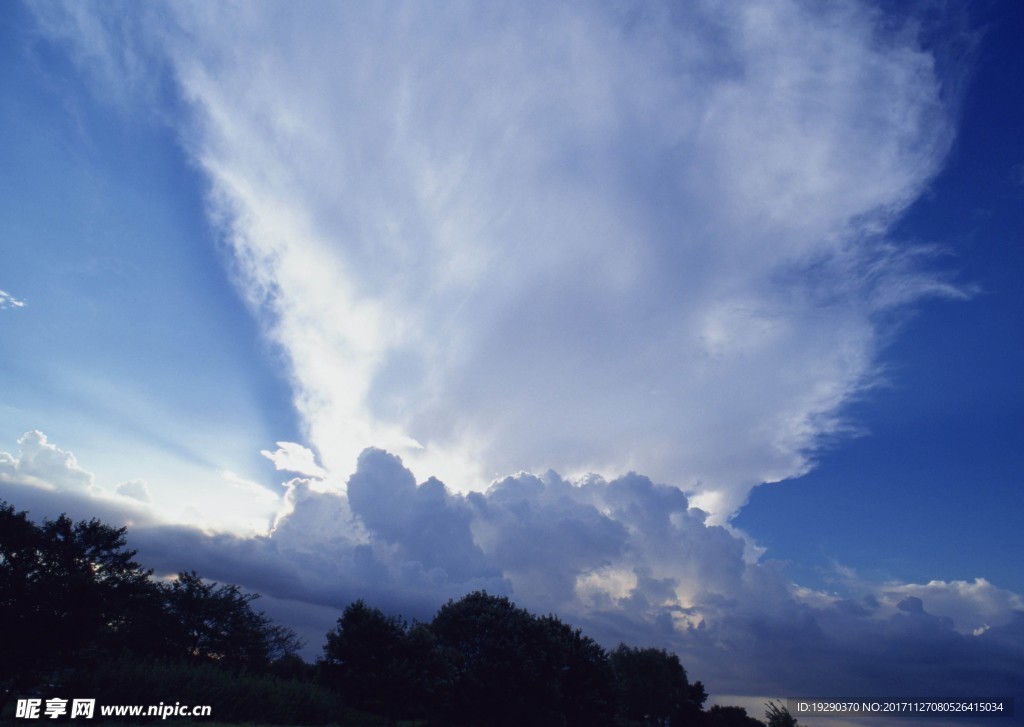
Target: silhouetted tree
x=697, y=694
x=72, y=593
x=585, y=678
x=505, y=666
x=653, y=688
x=778, y=716
x=484, y=661
x=22, y=599
x=427, y=675
x=66, y=588
x=217, y=623
x=719, y=716
x=365, y=658
x=292, y=666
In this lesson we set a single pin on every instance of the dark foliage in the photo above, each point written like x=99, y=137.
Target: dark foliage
x=81, y=615
x=234, y=697
x=72, y=596
x=653, y=688
x=67, y=591
x=217, y=623
x=381, y=665
x=482, y=660
x=585, y=678
x=778, y=716
x=719, y=716
x=504, y=664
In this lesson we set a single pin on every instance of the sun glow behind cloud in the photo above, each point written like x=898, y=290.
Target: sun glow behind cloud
x=494, y=239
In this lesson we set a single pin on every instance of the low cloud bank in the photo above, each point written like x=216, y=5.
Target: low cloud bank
x=624, y=559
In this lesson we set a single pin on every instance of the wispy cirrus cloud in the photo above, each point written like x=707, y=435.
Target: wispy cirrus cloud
x=9, y=301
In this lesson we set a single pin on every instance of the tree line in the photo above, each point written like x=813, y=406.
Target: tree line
x=81, y=614
x=482, y=660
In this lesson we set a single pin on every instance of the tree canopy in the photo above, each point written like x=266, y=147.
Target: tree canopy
x=66, y=587
x=216, y=622
x=482, y=660
x=72, y=592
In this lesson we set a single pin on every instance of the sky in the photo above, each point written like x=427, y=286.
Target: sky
x=697, y=324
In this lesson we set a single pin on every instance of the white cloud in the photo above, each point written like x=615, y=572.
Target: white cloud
x=43, y=464
x=292, y=457
x=523, y=237
x=135, y=489
x=9, y=301
x=625, y=560
x=973, y=607
x=227, y=502
x=47, y=481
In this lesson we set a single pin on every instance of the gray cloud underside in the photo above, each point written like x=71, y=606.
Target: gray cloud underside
x=626, y=560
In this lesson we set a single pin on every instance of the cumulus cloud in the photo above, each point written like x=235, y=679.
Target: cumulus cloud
x=46, y=481
x=629, y=559
x=588, y=238
x=973, y=607
x=43, y=464
x=625, y=559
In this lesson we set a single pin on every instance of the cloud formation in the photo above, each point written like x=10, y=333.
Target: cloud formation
x=135, y=489
x=629, y=559
x=587, y=238
x=625, y=559
x=9, y=301
x=43, y=464
x=47, y=480
x=552, y=238
x=292, y=457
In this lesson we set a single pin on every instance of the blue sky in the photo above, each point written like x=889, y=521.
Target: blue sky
x=529, y=251
x=950, y=422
